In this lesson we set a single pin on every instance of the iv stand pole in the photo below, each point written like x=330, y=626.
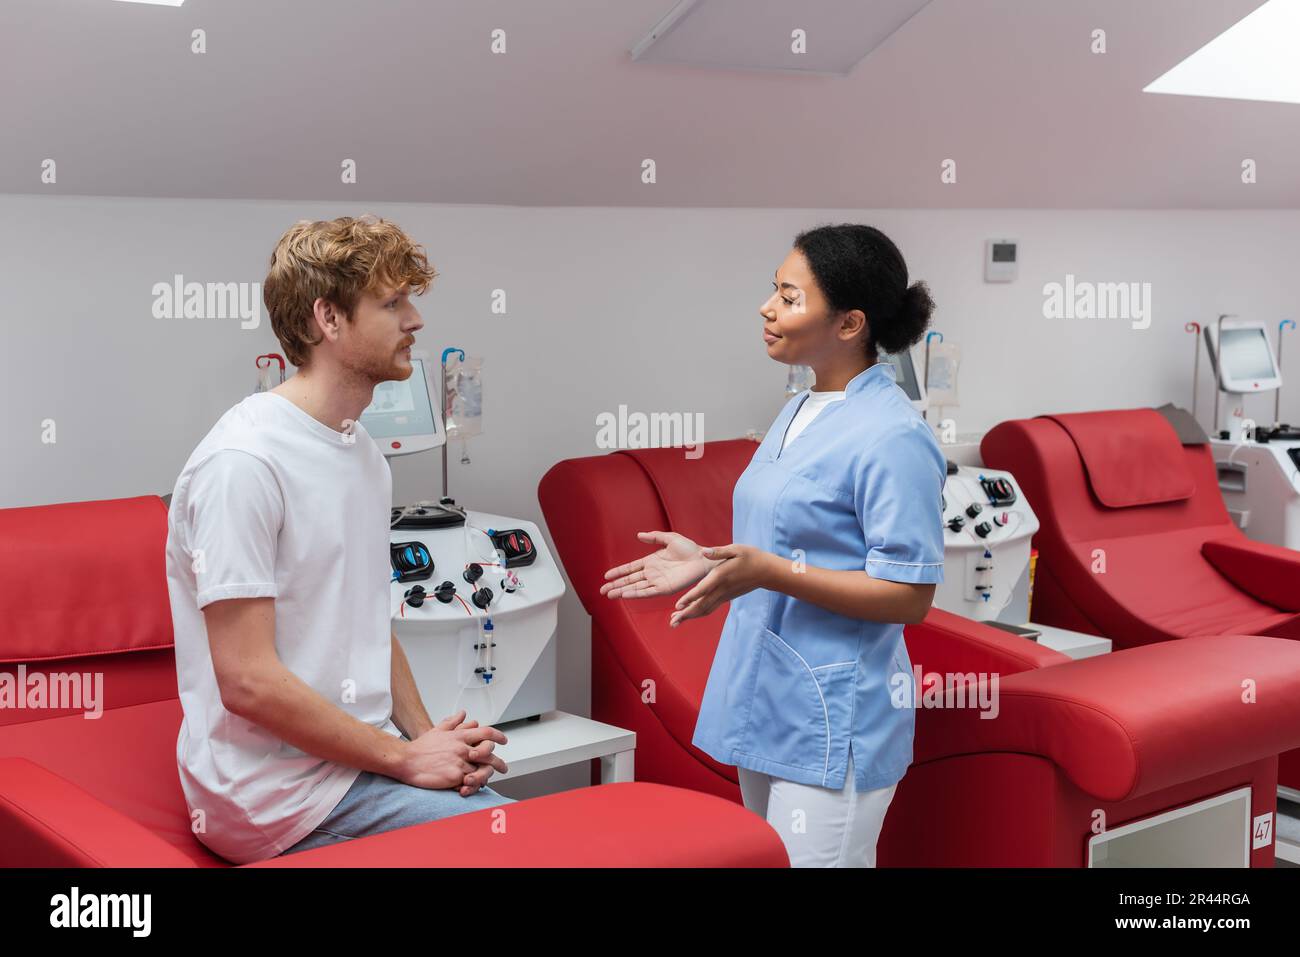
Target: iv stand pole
x=1277, y=397
x=442, y=402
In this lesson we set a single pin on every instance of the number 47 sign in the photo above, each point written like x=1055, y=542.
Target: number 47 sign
x=1262, y=832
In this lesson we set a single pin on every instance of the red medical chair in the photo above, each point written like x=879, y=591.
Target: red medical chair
x=85, y=593
x=1116, y=738
x=1134, y=540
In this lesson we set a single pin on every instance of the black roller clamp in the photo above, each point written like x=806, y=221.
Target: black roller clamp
x=411, y=561
x=999, y=490
x=473, y=572
x=445, y=593
x=515, y=545
x=415, y=596
x=482, y=598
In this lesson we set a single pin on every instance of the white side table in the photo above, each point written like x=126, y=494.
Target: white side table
x=558, y=739
x=1072, y=643
x=965, y=450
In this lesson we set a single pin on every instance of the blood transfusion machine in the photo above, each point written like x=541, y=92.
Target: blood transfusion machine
x=1243, y=362
x=474, y=595
x=988, y=527
x=800, y=378
x=1258, y=468
x=401, y=417
x=907, y=379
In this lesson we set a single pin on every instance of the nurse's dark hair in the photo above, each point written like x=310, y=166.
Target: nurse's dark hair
x=859, y=267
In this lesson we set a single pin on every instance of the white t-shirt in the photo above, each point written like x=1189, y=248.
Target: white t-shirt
x=808, y=411
x=273, y=503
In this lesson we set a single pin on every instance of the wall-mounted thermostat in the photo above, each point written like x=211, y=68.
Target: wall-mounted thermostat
x=1001, y=259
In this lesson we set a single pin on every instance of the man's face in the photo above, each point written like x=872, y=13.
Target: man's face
x=376, y=345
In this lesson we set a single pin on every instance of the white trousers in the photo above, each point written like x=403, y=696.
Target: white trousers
x=819, y=826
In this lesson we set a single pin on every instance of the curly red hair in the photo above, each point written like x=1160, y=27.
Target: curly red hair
x=336, y=260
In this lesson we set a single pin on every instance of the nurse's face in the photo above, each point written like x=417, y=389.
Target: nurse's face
x=797, y=325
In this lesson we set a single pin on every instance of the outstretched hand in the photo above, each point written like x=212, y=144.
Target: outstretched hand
x=739, y=569
x=678, y=564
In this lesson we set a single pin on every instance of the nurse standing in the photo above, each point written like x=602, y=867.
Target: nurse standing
x=837, y=543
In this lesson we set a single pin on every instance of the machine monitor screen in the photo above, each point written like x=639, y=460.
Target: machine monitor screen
x=400, y=417
x=1246, y=354
x=905, y=374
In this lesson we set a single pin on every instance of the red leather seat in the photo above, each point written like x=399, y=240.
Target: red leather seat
x=1134, y=540
x=86, y=593
x=645, y=675
x=1114, y=738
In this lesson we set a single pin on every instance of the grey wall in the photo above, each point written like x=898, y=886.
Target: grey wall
x=652, y=308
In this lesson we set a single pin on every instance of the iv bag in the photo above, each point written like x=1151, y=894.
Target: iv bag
x=270, y=372
x=463, y=402
x=799, y=379
x=941, y=387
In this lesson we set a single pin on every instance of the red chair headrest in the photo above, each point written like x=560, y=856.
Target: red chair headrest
x=1131, y=456
x=696, y=492
x=84, y=578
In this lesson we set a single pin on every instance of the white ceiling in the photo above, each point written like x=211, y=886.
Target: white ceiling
x=408, y=89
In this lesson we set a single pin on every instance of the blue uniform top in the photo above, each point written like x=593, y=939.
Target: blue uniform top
x=794, y=686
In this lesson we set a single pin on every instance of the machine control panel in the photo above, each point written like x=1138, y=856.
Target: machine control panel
x=477, y=615
x=981, y=504
x=988, y=528
x=487, y=564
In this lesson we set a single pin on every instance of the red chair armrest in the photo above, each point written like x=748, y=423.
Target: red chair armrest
x=1268, y=573
x=1139, y=720
x=951, y=643
x=613, y=825
x=47, y=821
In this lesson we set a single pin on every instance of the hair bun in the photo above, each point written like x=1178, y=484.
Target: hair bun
x=917, y=301
x=914, y=311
